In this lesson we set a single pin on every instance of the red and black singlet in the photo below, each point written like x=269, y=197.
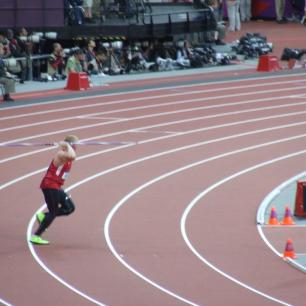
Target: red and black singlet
x=56, y=176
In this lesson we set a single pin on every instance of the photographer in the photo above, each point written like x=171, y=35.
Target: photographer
x=76, y=62
x=5, y=43
x=21, y=65
x=56, y=63
x=6, y=79
x=90, y=57
x=25, y=44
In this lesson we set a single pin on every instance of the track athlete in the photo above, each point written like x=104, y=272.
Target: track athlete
x=59, y=203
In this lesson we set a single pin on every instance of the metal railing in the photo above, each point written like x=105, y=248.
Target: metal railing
x=180, y=16
x=30, y=59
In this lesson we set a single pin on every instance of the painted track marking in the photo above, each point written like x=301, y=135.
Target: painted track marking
x=153, y=89
x=152, y=126
x=151, y=116
x=204, y=193
x=119, y=204
x=184, y=102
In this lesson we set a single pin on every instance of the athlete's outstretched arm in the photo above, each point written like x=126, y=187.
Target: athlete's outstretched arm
x=64, y=154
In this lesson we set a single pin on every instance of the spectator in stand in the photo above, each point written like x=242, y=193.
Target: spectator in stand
x=90, y=57
x=25, y=44
x=73, y=12
x=56, y=63
x=76, y=62
x=101, y=58
x=183, y=54
x=161, y=56
x=280, y=11
x=6, y=79
x=17, y=53
x=245, y=10
x=234, y=15
x=6, y=45
x=88, y=10
x=219, y=11
x=303, y=21
x=219, y=34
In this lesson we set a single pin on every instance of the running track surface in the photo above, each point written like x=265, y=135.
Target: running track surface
x=168, y=221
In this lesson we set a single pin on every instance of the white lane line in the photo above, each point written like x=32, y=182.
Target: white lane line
x=36, y=105
x=29, y=230
x=54, y=275
x=258, y=109
x=157, y=179
x=104, y=173
x=142, y=98
x=95, y=117
x=162, y=125
x=155, y=132
x=196, y=200
x=112, y=149
x=184, y=102
x=163, y=137
x=124, y=200
x=5, y=303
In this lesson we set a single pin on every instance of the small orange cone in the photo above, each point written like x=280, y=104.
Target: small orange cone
x=288, y=220
x=289, y=251
x=273, y=217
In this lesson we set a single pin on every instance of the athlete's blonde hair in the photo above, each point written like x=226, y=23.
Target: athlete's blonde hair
x=71, y=139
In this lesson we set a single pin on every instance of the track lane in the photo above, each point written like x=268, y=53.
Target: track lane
x=119, y=157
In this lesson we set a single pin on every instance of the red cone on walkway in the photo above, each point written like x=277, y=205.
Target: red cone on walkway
x=289, y=251
x=273, y=217
x=268, y=62
x=288, y=220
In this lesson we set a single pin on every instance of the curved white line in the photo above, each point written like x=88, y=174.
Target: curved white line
x=5, y=303
x=25, y=176
x=204, y=193
x=151, y=106
x=29, y=230
x=166, y=124
x=135, y=191
x=36, y=257
x=260, y=217
x=160, y=114
x=149, y=90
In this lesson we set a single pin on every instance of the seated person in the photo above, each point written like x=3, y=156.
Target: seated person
x=76, y=62
x=6, y=79
x=56, y=63
x=183, y=54
x=90, y=57
x=16, y=52
x=26, y=46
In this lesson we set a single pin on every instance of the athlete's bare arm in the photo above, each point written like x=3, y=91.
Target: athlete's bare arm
x=64, y=154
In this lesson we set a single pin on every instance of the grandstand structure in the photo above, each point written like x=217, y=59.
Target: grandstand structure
x=163, y=19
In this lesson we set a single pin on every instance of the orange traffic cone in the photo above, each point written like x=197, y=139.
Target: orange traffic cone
x=273, y=217
x=289, y=251
x=288, y=220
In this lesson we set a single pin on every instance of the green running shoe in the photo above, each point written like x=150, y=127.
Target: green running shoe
x=38, y=240
x=40, y=217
